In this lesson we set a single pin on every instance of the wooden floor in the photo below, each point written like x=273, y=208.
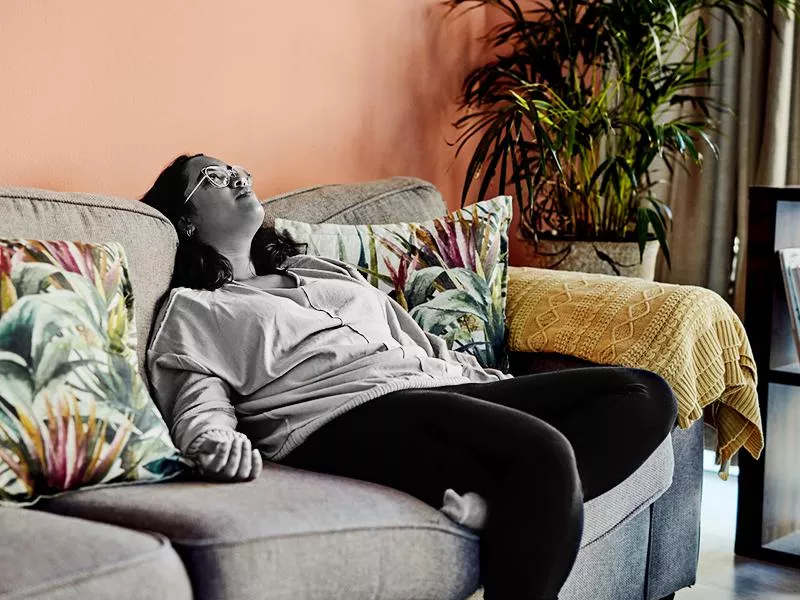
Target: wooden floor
x=723, y=576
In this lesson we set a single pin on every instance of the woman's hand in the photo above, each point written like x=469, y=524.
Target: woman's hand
x=225, y=455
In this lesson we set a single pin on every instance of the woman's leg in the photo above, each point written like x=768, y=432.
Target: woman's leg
x=613, y=417
x=424, y=441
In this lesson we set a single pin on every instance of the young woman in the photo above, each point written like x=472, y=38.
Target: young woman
x=262, y=350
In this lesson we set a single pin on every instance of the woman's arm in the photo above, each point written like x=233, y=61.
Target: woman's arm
x=190, y=402
x=195, y=398
x=202, y=422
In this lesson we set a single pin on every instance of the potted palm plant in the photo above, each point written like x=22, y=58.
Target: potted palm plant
x=585, y=105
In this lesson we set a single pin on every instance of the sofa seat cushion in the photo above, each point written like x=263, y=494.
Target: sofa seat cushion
x=623, y=502
x=51, y=557
x=295, y=534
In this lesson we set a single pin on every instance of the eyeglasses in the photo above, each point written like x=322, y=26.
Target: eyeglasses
x=221, y=177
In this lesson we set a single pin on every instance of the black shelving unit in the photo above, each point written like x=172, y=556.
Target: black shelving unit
x=768, y=516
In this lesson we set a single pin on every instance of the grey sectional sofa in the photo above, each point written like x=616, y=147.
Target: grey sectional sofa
x=297, y=535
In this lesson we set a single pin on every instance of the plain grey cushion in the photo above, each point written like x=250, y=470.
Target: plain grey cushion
x=614, y=566
x=674, y=545
x=49, y=557
x=623, y=502
x=295, y=534
x=394, y=200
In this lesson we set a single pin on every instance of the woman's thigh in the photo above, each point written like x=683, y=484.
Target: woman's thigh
x=425, y=441
x=613, y=417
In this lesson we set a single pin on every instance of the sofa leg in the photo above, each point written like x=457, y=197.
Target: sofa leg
x=670, y=597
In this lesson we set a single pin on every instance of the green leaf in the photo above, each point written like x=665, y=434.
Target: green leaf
x=498, y=154
x=661, y=234
x=420, y=285
x=446, y=307
x=54, y=361
x=15, y=380
x=34, y=321
x=520, y=100
x=471, y=282
x=373, y=255
x=657, y=46
x=629, y=172
x=663, y=210
x=490, y=138
x=642, y=227
x=710, y=143
x=675, y=19
x=598, y=173
x=31, y=278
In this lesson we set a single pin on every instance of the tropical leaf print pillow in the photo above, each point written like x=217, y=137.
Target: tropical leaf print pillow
x=74, y=411
x=450, y=273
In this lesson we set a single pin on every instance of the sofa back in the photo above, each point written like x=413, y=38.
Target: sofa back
x=395, y=200
x=150, y=240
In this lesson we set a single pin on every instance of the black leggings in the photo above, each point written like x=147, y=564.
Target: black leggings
x=535, y=447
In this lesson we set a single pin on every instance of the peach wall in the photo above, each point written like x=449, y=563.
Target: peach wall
x=98, y=96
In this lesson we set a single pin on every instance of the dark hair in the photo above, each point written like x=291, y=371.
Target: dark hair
x=199, y=265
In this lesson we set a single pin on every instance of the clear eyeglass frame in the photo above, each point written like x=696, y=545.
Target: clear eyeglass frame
x=221, y=177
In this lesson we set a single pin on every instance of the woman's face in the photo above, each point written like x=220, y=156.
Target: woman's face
x=221, y=213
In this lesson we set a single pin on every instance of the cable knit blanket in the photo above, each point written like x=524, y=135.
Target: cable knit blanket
x=689, y=335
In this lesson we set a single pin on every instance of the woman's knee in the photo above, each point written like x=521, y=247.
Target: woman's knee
x=551, y=461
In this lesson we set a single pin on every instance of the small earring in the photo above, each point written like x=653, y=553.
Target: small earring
x=187, y=228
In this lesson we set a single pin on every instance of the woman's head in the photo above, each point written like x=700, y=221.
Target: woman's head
x=213, y=208
x=207, y=198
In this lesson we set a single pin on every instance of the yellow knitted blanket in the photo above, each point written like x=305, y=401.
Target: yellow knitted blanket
x=689, y=335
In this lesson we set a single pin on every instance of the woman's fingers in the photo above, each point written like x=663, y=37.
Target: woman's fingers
x=230, y=469
x=230, y=460
x=258, y=465
x=217, y=457
x=245, y=463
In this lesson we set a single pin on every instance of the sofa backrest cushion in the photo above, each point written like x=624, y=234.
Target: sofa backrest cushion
x=394, y=200
x=147, y=236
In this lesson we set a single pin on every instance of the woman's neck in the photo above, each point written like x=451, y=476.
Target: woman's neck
x=239, y=257
x=243, y=267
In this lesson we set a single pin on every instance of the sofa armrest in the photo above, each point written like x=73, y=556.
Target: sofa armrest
x=526, y=363
x=543, y=307
x=687, y=334
x=525, y=360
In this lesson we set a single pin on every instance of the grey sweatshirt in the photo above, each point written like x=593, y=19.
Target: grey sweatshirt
x=278, y=364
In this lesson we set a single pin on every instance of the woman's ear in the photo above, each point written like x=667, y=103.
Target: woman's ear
x=186, y=227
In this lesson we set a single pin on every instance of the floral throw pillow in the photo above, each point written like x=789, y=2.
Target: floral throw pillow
x=74, y=411
x=450, y=273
